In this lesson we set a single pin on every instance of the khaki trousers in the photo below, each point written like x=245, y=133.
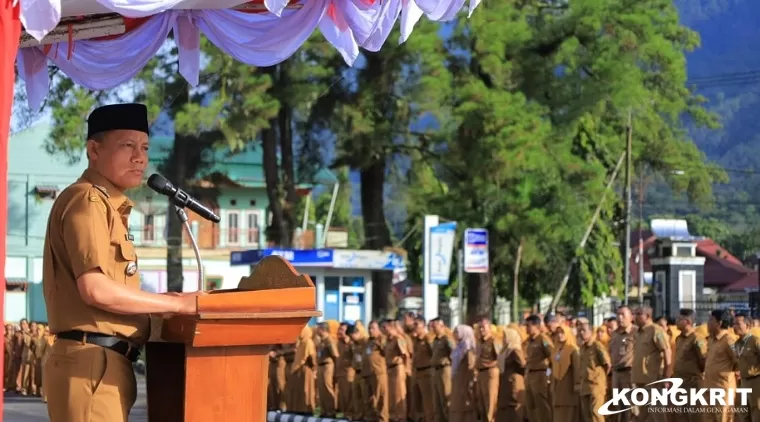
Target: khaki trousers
x=91, y=384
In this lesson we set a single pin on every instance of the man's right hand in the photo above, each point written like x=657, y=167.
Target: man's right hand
x=187, y=304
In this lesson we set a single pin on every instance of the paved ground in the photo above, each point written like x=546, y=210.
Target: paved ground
x=32, y=409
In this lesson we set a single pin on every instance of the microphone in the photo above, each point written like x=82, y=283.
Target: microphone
x=180, y=198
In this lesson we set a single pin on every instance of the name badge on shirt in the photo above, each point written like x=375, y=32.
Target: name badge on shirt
x=623, y=350
x=548, y=372
x=558, y=356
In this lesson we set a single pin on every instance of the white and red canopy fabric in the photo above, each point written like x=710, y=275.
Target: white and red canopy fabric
x=259, y=37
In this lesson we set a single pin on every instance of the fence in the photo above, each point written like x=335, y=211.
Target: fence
x=702, y=308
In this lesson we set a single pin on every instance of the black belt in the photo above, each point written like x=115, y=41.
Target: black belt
x=536, y=370
x=626, y=369
x=486, y=369
x=116, y=344
x=440, y=366
x=422, y=368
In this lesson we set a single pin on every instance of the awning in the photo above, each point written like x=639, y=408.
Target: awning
x=259, y=39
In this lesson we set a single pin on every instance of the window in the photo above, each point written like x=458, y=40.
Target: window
x=687, y=281
x=683, y=251
x=660, y=279
x=253, y=228
x=213, y=283
x=149, y=228
x=233, y=228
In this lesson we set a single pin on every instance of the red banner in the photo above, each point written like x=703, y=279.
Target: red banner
x=10, y=30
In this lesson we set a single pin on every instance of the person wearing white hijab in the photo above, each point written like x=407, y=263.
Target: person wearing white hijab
x=463, y=361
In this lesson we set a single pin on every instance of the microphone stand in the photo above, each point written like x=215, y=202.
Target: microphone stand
x=182, y=215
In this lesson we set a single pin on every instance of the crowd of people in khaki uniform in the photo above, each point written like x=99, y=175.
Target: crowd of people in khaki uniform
x=556, y=368
x=27, y=347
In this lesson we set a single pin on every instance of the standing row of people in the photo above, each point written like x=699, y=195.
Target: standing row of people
x=27, y=347
x=550, y=369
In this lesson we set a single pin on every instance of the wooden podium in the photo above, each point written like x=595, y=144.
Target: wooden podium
x=214, y=366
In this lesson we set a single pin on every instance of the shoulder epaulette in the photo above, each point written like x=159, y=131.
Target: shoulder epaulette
x=102, y=189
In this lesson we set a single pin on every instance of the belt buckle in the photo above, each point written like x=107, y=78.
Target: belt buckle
x=84, y=338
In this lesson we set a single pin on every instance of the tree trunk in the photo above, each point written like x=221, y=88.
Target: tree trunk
x=285, y=119
x=376, y=233
x=479, y=297
x=276, y=232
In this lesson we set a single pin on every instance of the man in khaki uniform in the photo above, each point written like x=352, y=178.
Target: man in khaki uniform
x=721, y=363
x=344, y=371
x=594, y=366
x=423, y=371
x=651, y=359
x=327, y=355
x=413, y=402
x=747, y=349
x=26, y=358
x=442, y=348
x=690, y=356
x=90, y=280
x=621, y=345
x=375, y=374
x=488, y=371
x=537, y=371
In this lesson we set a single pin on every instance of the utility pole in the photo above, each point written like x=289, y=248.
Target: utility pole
x=587, y=234
x=627, y=258
x=641, y=235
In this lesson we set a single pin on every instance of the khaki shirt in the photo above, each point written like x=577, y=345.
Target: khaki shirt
x=721, y=362
x=344, y=364
x=747, y=352
x=690, y=356
x=594, y=362
x=423, y=352
x=442, y=348
x=327, y=351
x=538, y=352
x=488, y=354
x=621, y=347
x=357, y=353
x=648, y=356
x=396, y=351
x=87, y=231
x=374, y=358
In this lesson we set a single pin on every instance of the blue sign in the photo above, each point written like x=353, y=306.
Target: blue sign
x=441, y=248
x=476, y=251
x=297, y=257
x=367, y=260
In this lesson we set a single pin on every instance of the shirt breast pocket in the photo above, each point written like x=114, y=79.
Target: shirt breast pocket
x=125, y=265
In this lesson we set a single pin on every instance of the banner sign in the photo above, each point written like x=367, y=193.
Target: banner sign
x=441, y=249
x=476, y=250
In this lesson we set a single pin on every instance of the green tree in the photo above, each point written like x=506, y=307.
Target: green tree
x=540, y=95
x=370, y=111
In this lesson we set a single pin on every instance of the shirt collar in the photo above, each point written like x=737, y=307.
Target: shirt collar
x=115, y=195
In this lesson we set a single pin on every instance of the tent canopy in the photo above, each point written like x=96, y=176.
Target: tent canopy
x=101, y=44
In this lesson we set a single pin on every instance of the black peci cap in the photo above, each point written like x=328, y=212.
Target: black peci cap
x=131, y=116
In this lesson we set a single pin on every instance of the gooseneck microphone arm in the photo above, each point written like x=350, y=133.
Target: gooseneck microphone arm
x=182, y=215
x=179, y=200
